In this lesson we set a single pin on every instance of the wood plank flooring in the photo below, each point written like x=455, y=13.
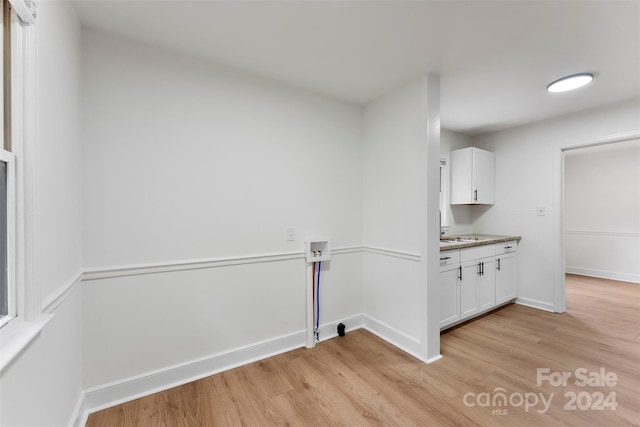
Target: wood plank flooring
x=360, y=380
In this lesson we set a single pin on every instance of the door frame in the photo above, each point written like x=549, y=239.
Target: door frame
x=559, y=295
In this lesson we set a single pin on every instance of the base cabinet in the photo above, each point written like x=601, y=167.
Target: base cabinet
x=469, y=290
x=449, y=296
x=506, y=278
x=449, y=288
x=486, y=284
x=485, y=277
x=477, y=288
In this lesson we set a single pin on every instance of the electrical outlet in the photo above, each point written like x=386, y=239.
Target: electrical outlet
x=291, y=234
x=541, y=211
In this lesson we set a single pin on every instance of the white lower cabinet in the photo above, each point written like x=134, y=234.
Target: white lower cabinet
x=484, y=278
x=468, y=290
x=449, y=287
x=506, y=272
x=477, y=290
x=486, y=284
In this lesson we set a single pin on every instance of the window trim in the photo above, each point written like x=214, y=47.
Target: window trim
x=30, y=319
x=12, y=291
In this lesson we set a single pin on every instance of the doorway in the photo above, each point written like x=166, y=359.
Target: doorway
x=600, y=211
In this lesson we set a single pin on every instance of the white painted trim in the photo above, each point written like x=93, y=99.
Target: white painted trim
x=25, y=11
x=96, y=273
x=51, y=303
x=607, y=139
x=409, y=256
x=28, y=121
x=17, y=335
x=10, y=224
x=310, y=341
x=541, y=305
x=97, y=398
x=330, y=330
x=559, y=290
x=434, y=359
x=79, y=415
x=602, y=233
x=107, y=395
x=346, y=250
x=394, y=337
x=603, y=274
x=165, y=267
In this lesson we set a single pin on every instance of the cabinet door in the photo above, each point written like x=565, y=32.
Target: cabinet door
x=506, y=277
x=472, y=176
x=486, y=284
x=469, y=289
x=461, y=177
x=483, y=177
x=449, y=297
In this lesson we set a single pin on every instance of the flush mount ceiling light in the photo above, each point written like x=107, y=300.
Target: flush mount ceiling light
x=572, y=82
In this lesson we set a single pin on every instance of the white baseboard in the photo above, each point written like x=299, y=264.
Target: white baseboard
x=434, y=359
x=541, y=305
x=104, y=396
x=603, y=274
x=330, y=330
x=80, y=414
x=393, y=336
x=108, y=395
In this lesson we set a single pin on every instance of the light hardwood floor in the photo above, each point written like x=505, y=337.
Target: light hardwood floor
x=360, y=380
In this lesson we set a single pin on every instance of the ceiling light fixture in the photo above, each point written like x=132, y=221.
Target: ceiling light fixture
x=572, y=82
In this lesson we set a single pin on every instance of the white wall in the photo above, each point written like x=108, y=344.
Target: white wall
x=43, y=384
x=459, y=215
x=602, y=211
x=396, y=213
x=59, y=205
x=185, y=162
x=528, y=175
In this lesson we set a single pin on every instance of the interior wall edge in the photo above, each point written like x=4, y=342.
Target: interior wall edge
x=540, y=305
x=329, y=330
x=395, y=337
x=52, y=302
x=79, y=416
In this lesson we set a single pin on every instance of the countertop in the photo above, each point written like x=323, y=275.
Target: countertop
x=476, y=240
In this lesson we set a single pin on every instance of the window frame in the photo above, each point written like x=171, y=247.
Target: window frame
x=12, y=303
x=30, y=317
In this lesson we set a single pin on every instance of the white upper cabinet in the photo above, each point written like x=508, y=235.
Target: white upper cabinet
x=472, y=177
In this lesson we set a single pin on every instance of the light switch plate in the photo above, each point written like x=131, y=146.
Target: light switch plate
x=291, y=234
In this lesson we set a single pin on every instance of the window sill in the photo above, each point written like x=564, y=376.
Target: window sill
x=17, y=335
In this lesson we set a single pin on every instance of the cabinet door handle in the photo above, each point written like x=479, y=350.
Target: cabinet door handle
x=460, y=270
x=445, y=258
x=475, y=195
x=479, y=269
x=508, y=247
x=482, y=268
x=498, y=266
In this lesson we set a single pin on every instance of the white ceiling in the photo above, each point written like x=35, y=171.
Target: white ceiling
x=495, y=58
